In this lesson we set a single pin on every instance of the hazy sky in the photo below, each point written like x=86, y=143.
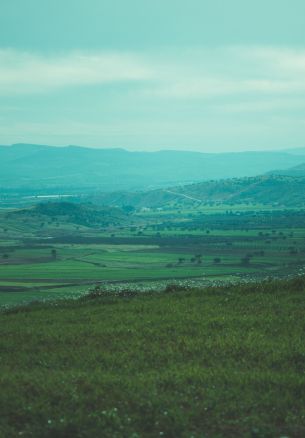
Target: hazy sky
x=153, y=74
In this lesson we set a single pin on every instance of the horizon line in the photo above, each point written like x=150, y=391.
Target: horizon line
x=283, y=150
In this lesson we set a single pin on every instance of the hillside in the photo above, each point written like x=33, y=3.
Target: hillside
x=68, y=213
x=76, y=168
x=225, y=361
x=267, y=189
x=273, y=189
x=296, y=171
x=287, y=191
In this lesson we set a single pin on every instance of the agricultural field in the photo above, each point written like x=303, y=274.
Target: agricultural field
x=45, y=254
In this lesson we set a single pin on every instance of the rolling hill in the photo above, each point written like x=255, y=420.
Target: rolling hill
x=296, y=171
x=266, y=189
x=68, y=213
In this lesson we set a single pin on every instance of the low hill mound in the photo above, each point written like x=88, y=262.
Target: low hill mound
x=68, y=212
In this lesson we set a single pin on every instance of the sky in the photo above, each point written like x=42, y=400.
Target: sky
x=210, y=76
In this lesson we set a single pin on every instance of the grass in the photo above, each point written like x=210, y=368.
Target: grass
x=216, y=362
x=8, y=299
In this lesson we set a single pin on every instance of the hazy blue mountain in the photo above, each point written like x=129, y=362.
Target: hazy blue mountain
x=38, y=166
x=295, y=151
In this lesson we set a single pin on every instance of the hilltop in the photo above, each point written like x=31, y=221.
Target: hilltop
x=68, y=213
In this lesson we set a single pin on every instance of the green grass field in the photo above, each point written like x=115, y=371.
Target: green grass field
x=216, y=362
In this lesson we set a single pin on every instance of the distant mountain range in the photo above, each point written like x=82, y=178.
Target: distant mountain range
x=76, y=168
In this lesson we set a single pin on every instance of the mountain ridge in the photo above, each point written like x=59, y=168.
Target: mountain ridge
x=41, y=166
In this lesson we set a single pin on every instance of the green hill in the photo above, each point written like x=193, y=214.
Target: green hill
x=262, y=189
x=266, y=189
x=69, y=213
x=217, y=362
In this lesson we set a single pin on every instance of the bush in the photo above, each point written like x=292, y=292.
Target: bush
x=101, y=292
x=175, y=288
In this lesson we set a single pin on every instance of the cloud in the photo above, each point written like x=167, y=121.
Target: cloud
x=26, y=73
x=282, y=60
x=261, y=106
x=232, y=71
x=193, y=74
x=207, y=87
x=196, y=98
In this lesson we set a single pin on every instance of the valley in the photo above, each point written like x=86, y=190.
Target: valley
x=60, y=249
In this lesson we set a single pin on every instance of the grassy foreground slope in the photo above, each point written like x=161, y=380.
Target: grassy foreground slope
x=218, y=362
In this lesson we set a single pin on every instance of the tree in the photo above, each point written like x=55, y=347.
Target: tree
x=245, y=261
x=198, y=259
x=54, y=254
x=128, y=209
x=217, y=260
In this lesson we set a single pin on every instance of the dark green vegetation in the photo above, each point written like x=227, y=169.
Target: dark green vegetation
x=73, y=169
x=61, y=249
x=87, y=215
x=216, y=362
